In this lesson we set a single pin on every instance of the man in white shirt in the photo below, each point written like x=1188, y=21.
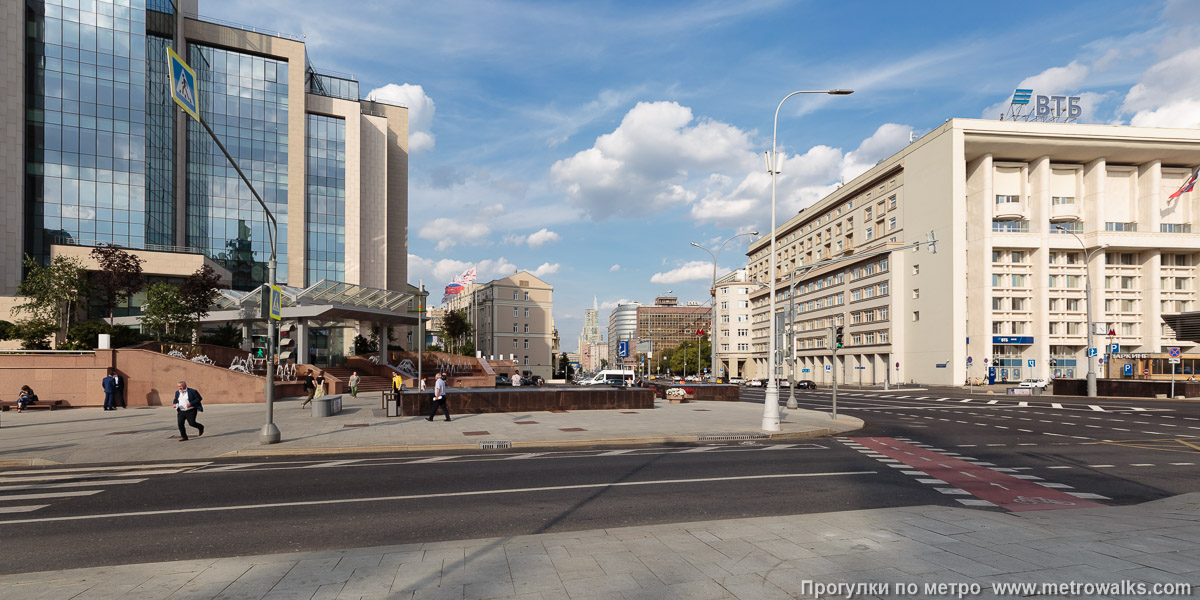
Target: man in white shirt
x=516, y=380
x=439, y=397
x=187, y=404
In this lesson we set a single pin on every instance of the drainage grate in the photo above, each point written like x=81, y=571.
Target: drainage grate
x=495, y=445
x=349, y=425
x=121, y=433
x=725, y=437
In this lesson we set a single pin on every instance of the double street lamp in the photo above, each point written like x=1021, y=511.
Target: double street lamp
x=1087, y=294
x=770, y=421
x=712, y=329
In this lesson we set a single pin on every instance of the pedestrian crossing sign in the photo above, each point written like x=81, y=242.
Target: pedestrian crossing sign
x=183, y=84
x=276, y=300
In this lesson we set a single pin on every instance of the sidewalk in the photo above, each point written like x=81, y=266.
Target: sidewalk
x=89, y=435
x=951, y=549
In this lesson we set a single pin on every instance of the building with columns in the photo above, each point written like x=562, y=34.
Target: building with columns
x=1024, y=214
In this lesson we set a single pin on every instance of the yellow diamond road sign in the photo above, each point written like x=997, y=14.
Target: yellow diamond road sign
x=183, y=84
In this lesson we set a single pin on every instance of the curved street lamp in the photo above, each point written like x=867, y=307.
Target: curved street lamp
x=770, y=421
x=1087, y=292
x=712, y=291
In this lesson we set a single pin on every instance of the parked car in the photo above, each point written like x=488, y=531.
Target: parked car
x=503, y=380
x=806, y=384
x=1034, y=383
x=736, y=380
x=785, y=382
x=756, y=382
x=532, y=380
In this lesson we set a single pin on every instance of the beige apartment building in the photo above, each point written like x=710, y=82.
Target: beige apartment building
x=1024, y=215
x=734, y=316
x=513, y=318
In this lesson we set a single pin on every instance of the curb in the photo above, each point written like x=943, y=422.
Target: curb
x=678, y=439
x=28, y=462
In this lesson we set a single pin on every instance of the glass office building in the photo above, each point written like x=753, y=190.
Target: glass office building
x=104, y=156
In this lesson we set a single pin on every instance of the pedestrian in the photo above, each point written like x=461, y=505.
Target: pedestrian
x=187, y=404
x=354, y=379
x=516, y=379
x=109, y=383
x=310, y=387
x=25, y=397
x=320, y=391
x=439, y=398
x=119, y=400
x=422, y=384
x=398, y=383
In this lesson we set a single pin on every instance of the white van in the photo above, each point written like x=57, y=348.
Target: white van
x=606, y=375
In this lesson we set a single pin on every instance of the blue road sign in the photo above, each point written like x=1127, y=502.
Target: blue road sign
x=828, y=368
x=1114, y=348
x=1031, y=363
x=969, y=360
x=623, y=349
x=183, y=84
x=1127, y=370
x=1174, y=352
x=804, y=370
x=1093, y=351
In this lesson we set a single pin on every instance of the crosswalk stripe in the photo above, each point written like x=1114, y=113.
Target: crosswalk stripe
x=17, y=509
x=432, y=459
x=993, y=401
x=112, y=468
x=4, y=480
x=1055, y=405
x=66, y=484
x=965, y=400
x=1022, y=405
x=4, y=498
x=1096, y=408
x=332, y=463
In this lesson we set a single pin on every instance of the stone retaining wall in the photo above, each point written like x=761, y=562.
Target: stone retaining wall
x=470, y=401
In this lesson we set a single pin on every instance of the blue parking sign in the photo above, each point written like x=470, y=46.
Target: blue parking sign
x=1114, y=348
x=1127, y=370
x=1030, y=363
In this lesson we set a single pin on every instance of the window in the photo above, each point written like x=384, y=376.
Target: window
x=1057, y=200
x=1129, y=329
x=996, y=280
x=1066, y=227
x=527, y=359
x=1019, y=303
x=514, y=329
x=1018, y=279
x=743, y=332
x=1175, y=227
x=743, y=347
x=870, y=234
x=1072, y=305
x=916, y=269
x=1017, y=256
x=527, y=328
x=997, y=256
x=1183, y=283
x=1119, y=258
x=1007, y=199
x=892, y=202
x=514, y=294
x=1010, y=226
x=916, y=293
x=724, y=318
x=1118, y=226
x=997, y=303
x=997, y=327
x=526, y=295
x=515, y=312
x=1072, y=281
x=868, y=213
x=856, y=339
x=526, y=344
x=883, y=313
x=916, y=315
x=891, y=223
x=526, y=313
x=514, y=344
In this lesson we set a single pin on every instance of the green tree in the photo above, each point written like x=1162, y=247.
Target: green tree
x=52, y=293
x=364, y=345
x=227, y=335
x=467, y=348
x=199, y=291
x=120, y=276
x=564, y=366
x=165, y=313
x=33, y=333
x=456, y=328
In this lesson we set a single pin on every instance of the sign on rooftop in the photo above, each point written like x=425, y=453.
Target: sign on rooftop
x=183, y=84
x=1046, y=109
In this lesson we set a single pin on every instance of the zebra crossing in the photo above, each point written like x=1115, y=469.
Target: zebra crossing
x=930, y=401
x=29, y=490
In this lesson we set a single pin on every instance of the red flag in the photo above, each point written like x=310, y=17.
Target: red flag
x=1187, y=185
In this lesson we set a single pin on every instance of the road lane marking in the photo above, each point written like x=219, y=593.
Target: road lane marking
x=110, y=468
x=4, y=480
x=8, y=498
x=332, y=463
x=17, y=509
x=67, y=484
x=343, y=501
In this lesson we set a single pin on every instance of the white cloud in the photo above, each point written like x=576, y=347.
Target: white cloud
x=803, y=179
x=545, y=269
x=644, y=164
x=614, y=268
x=472, y=226
x=541, y=238
x=696, y=270
x=614, y=303
x=420, y=111
x=1166, y=96
x=1054, y=80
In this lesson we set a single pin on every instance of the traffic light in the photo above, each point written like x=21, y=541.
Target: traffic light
x=837, y=337
x=259, y=346
x=287, y=342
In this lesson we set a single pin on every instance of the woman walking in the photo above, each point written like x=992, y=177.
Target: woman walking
x=354, y=379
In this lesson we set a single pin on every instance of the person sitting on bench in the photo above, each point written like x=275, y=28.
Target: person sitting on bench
x=25, y=398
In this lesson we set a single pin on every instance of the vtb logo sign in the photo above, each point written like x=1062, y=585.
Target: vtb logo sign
x=1046, y=108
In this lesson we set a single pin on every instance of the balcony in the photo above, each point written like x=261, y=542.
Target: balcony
x=1010, y=226
x=1119, y=226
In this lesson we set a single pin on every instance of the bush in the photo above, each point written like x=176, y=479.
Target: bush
x=85, y=335
x=34, y=333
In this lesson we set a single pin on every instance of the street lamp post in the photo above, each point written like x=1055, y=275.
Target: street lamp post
x=770, y=420
x=1087, y=294
x=713, y=293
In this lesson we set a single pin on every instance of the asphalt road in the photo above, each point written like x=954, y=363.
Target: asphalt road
x=1068, y=450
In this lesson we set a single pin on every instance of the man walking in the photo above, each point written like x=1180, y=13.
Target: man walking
x=310, y=388
x=439, y=398
x=187, y=404
x=109, y=383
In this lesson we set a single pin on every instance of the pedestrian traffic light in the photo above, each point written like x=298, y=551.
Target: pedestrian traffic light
x=259, y=346
x=837, y=337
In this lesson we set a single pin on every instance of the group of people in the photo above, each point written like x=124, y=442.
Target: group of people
x=114, y=390
x=439, y=393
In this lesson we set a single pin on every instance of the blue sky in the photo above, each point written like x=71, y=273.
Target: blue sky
x=591, y=142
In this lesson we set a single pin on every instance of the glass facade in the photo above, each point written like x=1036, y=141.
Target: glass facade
x=332, y=86
x=85, y=122
x=160, y=146
x=244, y=99
x=325, y=198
